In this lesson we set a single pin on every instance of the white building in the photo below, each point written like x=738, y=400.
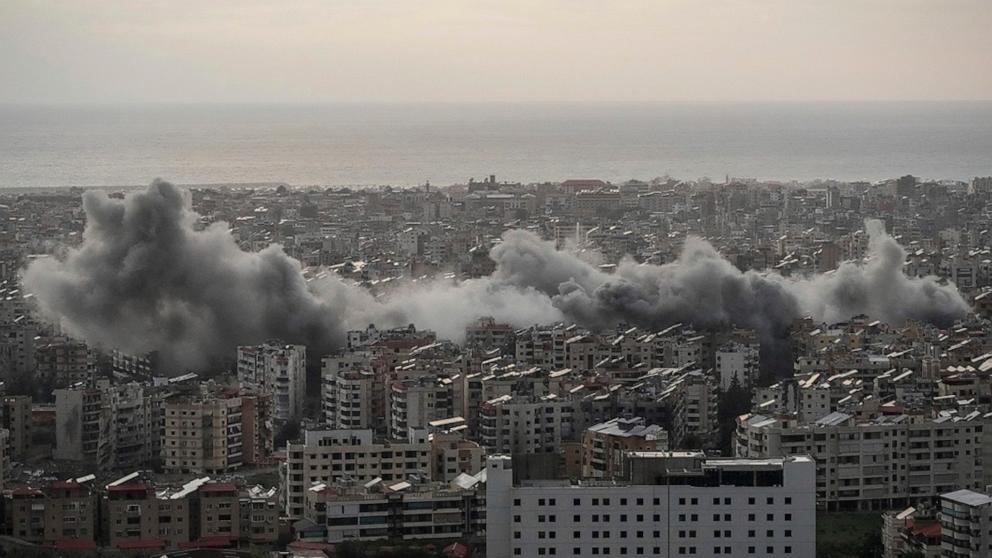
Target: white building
x=277, y=369
x=737, y=361
x=735, y=507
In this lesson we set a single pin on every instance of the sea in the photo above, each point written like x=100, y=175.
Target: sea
x=355, y=144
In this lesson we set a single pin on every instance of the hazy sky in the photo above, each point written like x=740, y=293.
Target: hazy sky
x=500, y=50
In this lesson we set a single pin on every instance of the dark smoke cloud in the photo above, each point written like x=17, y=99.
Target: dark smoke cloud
x=144, y=279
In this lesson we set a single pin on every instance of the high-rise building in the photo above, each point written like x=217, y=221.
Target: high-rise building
x=277, y=369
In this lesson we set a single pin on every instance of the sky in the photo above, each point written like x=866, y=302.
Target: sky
x=245, y=51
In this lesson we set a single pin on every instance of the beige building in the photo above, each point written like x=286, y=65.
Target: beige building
x=604, y=445
x=347, y=385
x=202, y=434
x=327, y=456
x=871, y=464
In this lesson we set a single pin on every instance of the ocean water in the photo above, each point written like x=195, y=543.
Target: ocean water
x=363, y=144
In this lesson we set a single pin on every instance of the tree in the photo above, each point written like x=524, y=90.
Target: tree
x=733, y=402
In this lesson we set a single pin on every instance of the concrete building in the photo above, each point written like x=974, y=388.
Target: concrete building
x=453, y=455
x=486, y=333
x=670, y=504
x=737, y=361
x=83, y=426
x=415, y=402
x=347, y=384
x=604, y=445
x=883, y=463
x=208, y=433
x=62, y=362
x=109, y=427
x=398, y=510
x=15, y=417
x=277, y=369
x=966, y=524
x=516, y=425
x=143, y=516
x=328, y=456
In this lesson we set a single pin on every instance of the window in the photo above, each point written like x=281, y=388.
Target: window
x=788, y=500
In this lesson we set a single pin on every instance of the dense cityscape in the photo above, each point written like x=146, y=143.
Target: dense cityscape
x=576, y=368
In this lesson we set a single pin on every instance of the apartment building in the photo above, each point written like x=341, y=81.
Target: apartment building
x=83, y=426
x=966, y=524
x=109, y=427
x=737, y=362
x=328, y=456
x=201, y=434
x=277, y=369
x=890, y=461
x=452, y=454
x=515, y=425
x=398, y=510
x=605, y=444
x=348, y=382
x=694, y=403
x=415, y=402
x=668, y=504
x=141, y=515
x=486, y=333
x=15, y=417
x=62, y=361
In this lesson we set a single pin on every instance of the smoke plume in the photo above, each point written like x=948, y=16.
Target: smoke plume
x=146, y=279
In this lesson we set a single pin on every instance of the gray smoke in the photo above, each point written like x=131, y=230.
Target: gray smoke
x=145, y=279
x=704, y=289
